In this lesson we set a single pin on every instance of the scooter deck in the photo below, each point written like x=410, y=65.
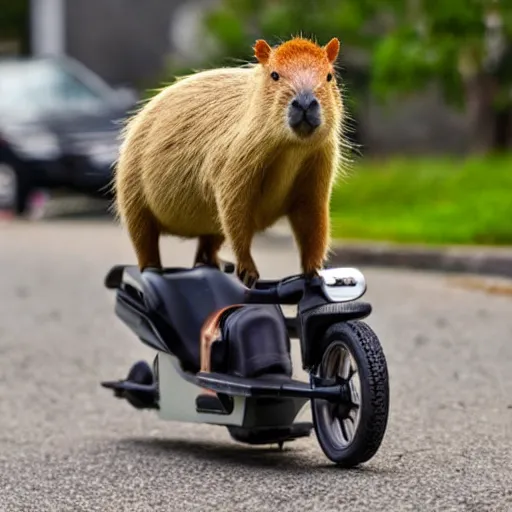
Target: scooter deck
x=268, y=386
x=239, y=386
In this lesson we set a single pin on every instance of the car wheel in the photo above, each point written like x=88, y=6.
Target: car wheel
x=14, y=189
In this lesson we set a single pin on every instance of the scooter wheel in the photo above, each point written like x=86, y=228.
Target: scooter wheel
x=140, y=373
x=351, y=433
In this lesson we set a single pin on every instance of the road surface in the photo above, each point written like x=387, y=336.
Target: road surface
x=67, y=445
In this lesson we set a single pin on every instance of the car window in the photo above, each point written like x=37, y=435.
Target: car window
x=39, y=87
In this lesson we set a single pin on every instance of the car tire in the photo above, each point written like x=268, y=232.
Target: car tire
x=15, y=189
x=23, y=190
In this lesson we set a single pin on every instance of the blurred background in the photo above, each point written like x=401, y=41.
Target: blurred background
x=427, y=87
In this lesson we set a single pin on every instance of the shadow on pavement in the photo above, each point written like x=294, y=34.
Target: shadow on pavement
x=290, y=459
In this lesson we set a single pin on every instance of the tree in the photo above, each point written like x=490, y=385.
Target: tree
x=464, y=46
x=14, y=21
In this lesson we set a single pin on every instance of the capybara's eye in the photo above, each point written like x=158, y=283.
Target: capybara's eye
x=329, y=77
x=275, y=76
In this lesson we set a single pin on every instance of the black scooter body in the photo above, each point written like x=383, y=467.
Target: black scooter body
x=166, y=310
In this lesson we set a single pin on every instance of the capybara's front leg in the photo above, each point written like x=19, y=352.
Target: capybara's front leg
x=245, y=267
x=309, y=218
x=238, y=227
x=310, y=225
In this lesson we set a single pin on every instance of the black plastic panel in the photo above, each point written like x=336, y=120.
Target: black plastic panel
x=315, y=321
x=257, y=342
x=271, y=412
x=180, y=301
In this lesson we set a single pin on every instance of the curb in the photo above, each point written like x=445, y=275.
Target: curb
x=451, y=260
x=485, y=260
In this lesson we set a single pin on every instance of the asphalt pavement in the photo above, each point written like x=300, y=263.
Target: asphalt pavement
x=67, y=445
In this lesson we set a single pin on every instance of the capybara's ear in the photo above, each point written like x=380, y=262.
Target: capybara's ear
x=332, y=48
x=262, y=51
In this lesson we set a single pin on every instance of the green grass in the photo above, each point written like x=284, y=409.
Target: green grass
x=433, y=201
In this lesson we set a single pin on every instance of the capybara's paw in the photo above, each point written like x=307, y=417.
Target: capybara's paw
x=312, y=268
x=311, y=273
x=248, y=276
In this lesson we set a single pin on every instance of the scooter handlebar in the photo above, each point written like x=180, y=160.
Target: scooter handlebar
x=285, y=291
x=334, y=284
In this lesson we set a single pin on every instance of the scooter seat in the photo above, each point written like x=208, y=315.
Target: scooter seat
x=182, y=299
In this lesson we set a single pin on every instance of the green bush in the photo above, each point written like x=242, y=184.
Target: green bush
x=435, y=201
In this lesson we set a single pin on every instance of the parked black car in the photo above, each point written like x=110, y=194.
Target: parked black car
x=59, y=127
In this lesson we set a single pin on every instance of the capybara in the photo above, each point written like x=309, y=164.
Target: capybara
x=223, y=154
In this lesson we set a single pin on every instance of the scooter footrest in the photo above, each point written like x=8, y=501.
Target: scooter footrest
x=264, y=386
x=141, y=396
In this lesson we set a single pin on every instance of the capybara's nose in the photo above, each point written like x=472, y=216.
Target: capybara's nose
x=305, y=101
x=304, y=113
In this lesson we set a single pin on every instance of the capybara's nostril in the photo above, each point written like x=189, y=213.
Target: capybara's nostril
x=305, y=103
x=314, y=104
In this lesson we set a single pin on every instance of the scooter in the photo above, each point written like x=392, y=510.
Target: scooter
x=224, y=355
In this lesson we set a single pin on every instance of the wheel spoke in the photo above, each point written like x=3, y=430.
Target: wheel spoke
x=354, y=394
x=344, y=433
x=330, y=416
x=352, y=372
x=337, y=429
x=349, y=428
x=344, y=365
x=332, y=370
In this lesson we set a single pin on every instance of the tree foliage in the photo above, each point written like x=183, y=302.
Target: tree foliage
x=236, y=23
x=13, y=17
x=408, y=43
x=14, y=23
x=446, y=42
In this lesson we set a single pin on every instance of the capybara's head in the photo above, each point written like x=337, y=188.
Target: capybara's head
x=299, y=85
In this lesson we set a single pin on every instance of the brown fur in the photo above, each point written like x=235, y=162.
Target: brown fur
x=212, y=156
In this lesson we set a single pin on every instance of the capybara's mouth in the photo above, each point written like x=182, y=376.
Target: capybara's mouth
x=305, y=127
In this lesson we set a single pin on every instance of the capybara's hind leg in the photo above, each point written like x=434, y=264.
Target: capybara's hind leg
x=208, y=247
x=145, y=234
